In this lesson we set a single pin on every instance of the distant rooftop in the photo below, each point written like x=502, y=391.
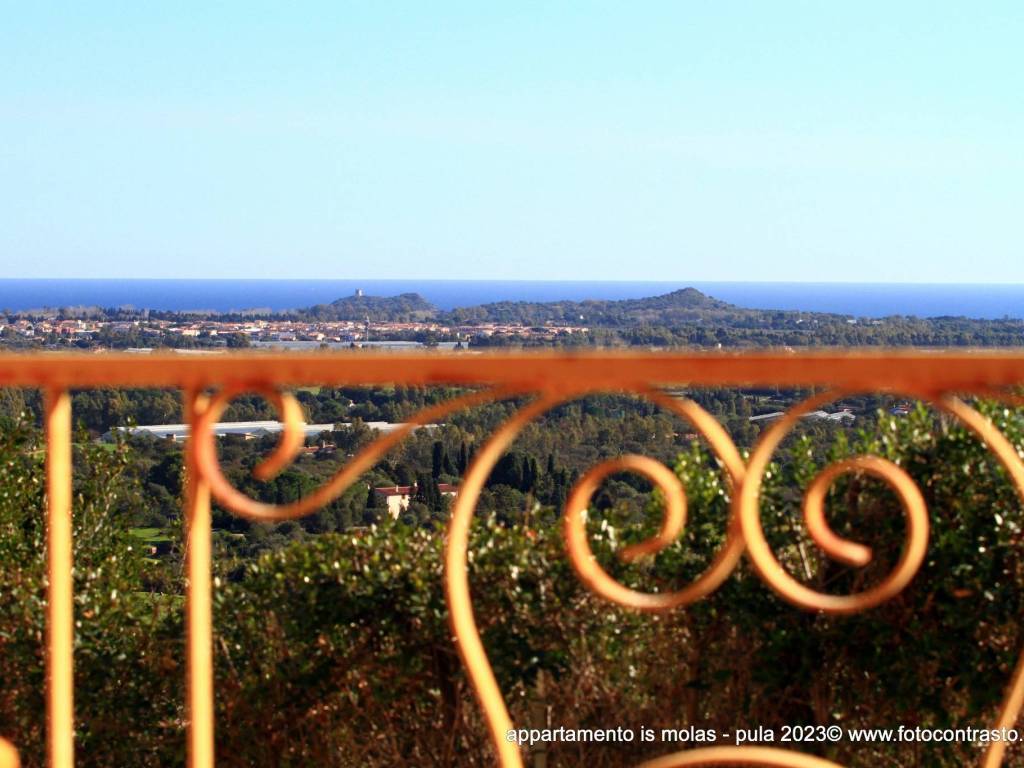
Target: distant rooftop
x=250, y=429
x=837, y=416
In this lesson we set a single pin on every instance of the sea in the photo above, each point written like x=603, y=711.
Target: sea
x=983, y=301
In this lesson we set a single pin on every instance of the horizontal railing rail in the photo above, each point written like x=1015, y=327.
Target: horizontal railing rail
x=893, y=369
x=208, y=384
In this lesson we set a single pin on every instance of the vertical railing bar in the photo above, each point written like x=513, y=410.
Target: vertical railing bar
x=198, y=619
x=8, y=755
x=60, y=717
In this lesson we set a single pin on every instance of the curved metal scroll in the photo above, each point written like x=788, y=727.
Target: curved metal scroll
x=744, y=532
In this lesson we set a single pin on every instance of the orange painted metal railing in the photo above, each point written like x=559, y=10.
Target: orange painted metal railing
x=209, y=383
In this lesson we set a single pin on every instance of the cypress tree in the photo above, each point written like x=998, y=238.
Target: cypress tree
x=373, y=499
x=438, y=458
x=423, y=483
x=534, y=473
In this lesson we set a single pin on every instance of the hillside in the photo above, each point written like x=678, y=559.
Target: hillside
x=405, y=307
x=682, y=306
x=685, y=317
x=686, y=305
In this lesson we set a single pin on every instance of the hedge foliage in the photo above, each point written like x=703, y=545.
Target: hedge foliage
x=337, y=650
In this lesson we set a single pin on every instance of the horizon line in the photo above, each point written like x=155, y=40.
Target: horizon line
x=611, y=281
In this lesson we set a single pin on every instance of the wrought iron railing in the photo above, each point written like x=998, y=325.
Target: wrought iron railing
x=209, y=383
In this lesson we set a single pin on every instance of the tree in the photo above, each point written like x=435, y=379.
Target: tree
x=121, y=629
x=438, y=458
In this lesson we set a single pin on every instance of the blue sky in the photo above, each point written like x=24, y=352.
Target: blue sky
x=652, y=141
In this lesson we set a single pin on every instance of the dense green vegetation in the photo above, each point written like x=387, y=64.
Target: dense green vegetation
x=333, y=649
x=402, y=308
x=547, y=459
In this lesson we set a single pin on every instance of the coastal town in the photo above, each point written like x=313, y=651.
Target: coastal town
x=144, y=332
x=682, y=318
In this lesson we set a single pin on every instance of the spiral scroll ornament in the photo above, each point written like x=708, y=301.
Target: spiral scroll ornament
x=747, y=503
x=464, y=626
x=288, y=446
x=744, y=530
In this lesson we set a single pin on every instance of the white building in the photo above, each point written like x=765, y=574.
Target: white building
x=398, y=497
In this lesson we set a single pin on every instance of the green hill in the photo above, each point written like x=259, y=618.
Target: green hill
x=405, y=307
